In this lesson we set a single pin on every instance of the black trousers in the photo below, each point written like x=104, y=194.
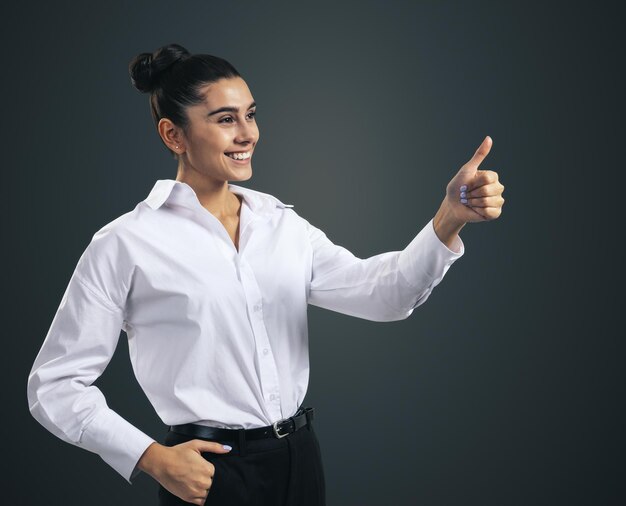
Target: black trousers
x=273, y=472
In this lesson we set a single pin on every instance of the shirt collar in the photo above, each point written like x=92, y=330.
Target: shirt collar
x=166, y=190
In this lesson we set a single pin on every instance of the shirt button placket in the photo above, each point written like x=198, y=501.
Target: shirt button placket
x=268, y=371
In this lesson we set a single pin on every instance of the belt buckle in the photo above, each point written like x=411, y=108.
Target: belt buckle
x=275, y=425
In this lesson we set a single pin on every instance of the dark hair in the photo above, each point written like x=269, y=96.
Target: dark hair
x=173, y=77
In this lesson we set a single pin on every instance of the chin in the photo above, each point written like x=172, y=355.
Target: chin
x=243, y=176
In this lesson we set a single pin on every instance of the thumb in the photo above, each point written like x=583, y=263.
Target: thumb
x=201, y=445
x=479, y=156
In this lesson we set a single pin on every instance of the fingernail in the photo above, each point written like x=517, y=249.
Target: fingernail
x=226, y=447
x=464, y=187
x=463, y=201
x=463, y=194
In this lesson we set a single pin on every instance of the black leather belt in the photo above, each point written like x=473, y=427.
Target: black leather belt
x=278, y=429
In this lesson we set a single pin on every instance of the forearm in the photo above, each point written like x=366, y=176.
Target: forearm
x=446, y=226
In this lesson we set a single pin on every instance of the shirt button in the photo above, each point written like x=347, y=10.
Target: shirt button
x=266, y=351
x=257, y=307
x=272, y=397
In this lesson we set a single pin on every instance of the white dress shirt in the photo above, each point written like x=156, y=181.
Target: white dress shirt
x=216, y=336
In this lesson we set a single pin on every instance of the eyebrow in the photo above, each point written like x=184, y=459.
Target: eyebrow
x=230, y=109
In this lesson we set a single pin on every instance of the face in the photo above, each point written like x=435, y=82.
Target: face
x=223, y=126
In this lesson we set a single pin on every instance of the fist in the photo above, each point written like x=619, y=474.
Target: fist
x=475, y=195
x=186, y=473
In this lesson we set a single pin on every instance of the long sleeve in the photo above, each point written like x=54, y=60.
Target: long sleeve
x=384, y=287
x=77, y=348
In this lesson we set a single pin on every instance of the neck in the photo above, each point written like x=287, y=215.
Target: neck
x=213, y=194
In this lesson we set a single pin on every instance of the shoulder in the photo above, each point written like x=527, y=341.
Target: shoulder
x=123, y=228
x=106, y=263
x=106, y=241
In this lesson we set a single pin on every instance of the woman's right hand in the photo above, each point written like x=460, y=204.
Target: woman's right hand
x=181, y=469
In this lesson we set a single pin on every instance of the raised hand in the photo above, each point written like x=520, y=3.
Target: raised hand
x=475, y=195
x=472, y=195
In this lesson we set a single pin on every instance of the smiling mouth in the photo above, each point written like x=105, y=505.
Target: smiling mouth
x=239, y=156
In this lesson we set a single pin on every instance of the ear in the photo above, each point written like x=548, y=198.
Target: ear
x=171, y=135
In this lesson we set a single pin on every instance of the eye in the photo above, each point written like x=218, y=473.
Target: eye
x=223, y=120
x=252, y=114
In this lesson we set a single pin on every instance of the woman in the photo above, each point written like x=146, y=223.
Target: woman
x=211, y=282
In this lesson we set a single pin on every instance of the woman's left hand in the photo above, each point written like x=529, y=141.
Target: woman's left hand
x=475, y=195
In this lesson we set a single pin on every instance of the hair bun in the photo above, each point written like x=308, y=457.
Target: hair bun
x=147, y=69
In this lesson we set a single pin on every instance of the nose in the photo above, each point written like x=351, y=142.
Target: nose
x=247, y=133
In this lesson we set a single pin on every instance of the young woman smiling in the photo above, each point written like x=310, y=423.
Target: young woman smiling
x=211, y=282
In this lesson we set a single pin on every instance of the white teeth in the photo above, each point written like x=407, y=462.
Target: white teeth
x=239, y=156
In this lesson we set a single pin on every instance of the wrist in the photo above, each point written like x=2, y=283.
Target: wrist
x=446, y=224
x=151, y=458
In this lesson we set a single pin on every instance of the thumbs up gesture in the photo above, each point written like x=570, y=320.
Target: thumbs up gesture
x=472, y=195
x=475, y=195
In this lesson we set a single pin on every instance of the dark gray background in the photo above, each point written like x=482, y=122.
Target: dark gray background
x=507, y=386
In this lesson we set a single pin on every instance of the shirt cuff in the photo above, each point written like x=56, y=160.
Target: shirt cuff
x=119, y=443
x=426, y=255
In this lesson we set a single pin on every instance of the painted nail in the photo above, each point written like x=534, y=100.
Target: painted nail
x=464, y=187
x=463, y=201
x=226, y=447
x=463, y=195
